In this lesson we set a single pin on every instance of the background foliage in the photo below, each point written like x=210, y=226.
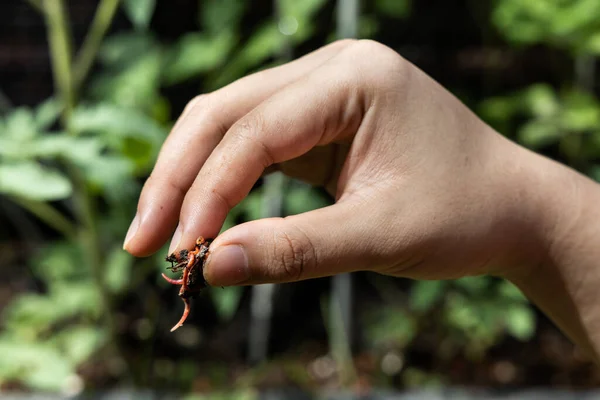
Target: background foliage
x=81, y=313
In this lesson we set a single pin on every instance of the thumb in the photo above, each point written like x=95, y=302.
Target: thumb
x=318, y=243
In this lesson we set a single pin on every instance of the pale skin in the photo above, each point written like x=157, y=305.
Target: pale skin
x=424, y=189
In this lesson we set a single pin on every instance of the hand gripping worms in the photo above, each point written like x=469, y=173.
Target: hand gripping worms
x=192, y=280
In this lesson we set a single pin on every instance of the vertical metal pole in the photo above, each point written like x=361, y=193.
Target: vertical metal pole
x=261, y=304
x=347, y=19
x=340, y=307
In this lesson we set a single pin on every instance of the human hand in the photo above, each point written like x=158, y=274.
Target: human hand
x=423, y=188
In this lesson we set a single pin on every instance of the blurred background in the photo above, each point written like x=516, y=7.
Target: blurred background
x=88, y=92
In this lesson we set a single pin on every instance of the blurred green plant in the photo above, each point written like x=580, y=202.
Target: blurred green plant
x=467, y=316
x=571, y=25
x=541, y=116
x=75, y=162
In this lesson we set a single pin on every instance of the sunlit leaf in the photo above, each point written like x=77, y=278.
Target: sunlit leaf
x=582, y=111
x=425, y=294
x=473, y=285
x=196, y=53
x=134, y=86
x=264, y=43
x=520, y=322
x=109, y=172
x=20, y=124
x=566, y=24
x=541, y=100
x=592, y=45
x=121, y=49
x=536, y=134
x=220, y=15
x=38, y=365
x=33, y=181
x=47, y=113
x=139, y=12
x=117, y=270
x=388, y=326
x=31, y=314
x=302, y=199
x=253, y=206
x=77, y=344
x=511, y=292
x=59, y=262
x=114, y=120
x=78, y=298
x=301, y=10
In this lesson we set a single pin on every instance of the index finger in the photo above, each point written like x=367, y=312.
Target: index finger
x=195, y=135
x=313, y=111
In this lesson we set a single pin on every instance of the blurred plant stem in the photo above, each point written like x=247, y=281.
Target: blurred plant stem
x=573, y=144
x=89, y=49
x=37, y=4
x=61, y=52
x=60, y=41
x=340, y=307
x=49, y=215
x=262, y=295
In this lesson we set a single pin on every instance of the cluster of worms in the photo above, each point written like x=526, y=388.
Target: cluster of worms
x=191, y=262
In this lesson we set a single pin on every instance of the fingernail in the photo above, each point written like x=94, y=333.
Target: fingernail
x=227, y=265
x=176, y=239
x=133, y=228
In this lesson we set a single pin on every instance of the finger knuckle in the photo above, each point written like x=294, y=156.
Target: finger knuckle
x=246, y=133
x=381, y=60
x=296, y=254
x=343, y=43
x=196, y=103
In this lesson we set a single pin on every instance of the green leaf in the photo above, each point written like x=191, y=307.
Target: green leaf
x=139, y=12
x=520, y=322
x=226, y=301
x=47, y=113
x=595, y=173
x=473, y=285
x=122, y=49
x=389, y=327
x=253, y=205
x=539, y=133
x=31, y=314
x=303, y=199
x=425, y=294
x=32, y=181
x=119, y=121
x=38, y=365
x=394, y=8
x=196, y=53
x=109, y=172
x=52, y=147
x=264, y=43
x=59, y=262
x=511, y=292
x=498, y=109
x=20, y=125
x=220, y=15
x=581, y=111
x=592, y=45
x=136, y=85
x=541, y=100
x=118, y=270
x=79, y=343
x=77, y=298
